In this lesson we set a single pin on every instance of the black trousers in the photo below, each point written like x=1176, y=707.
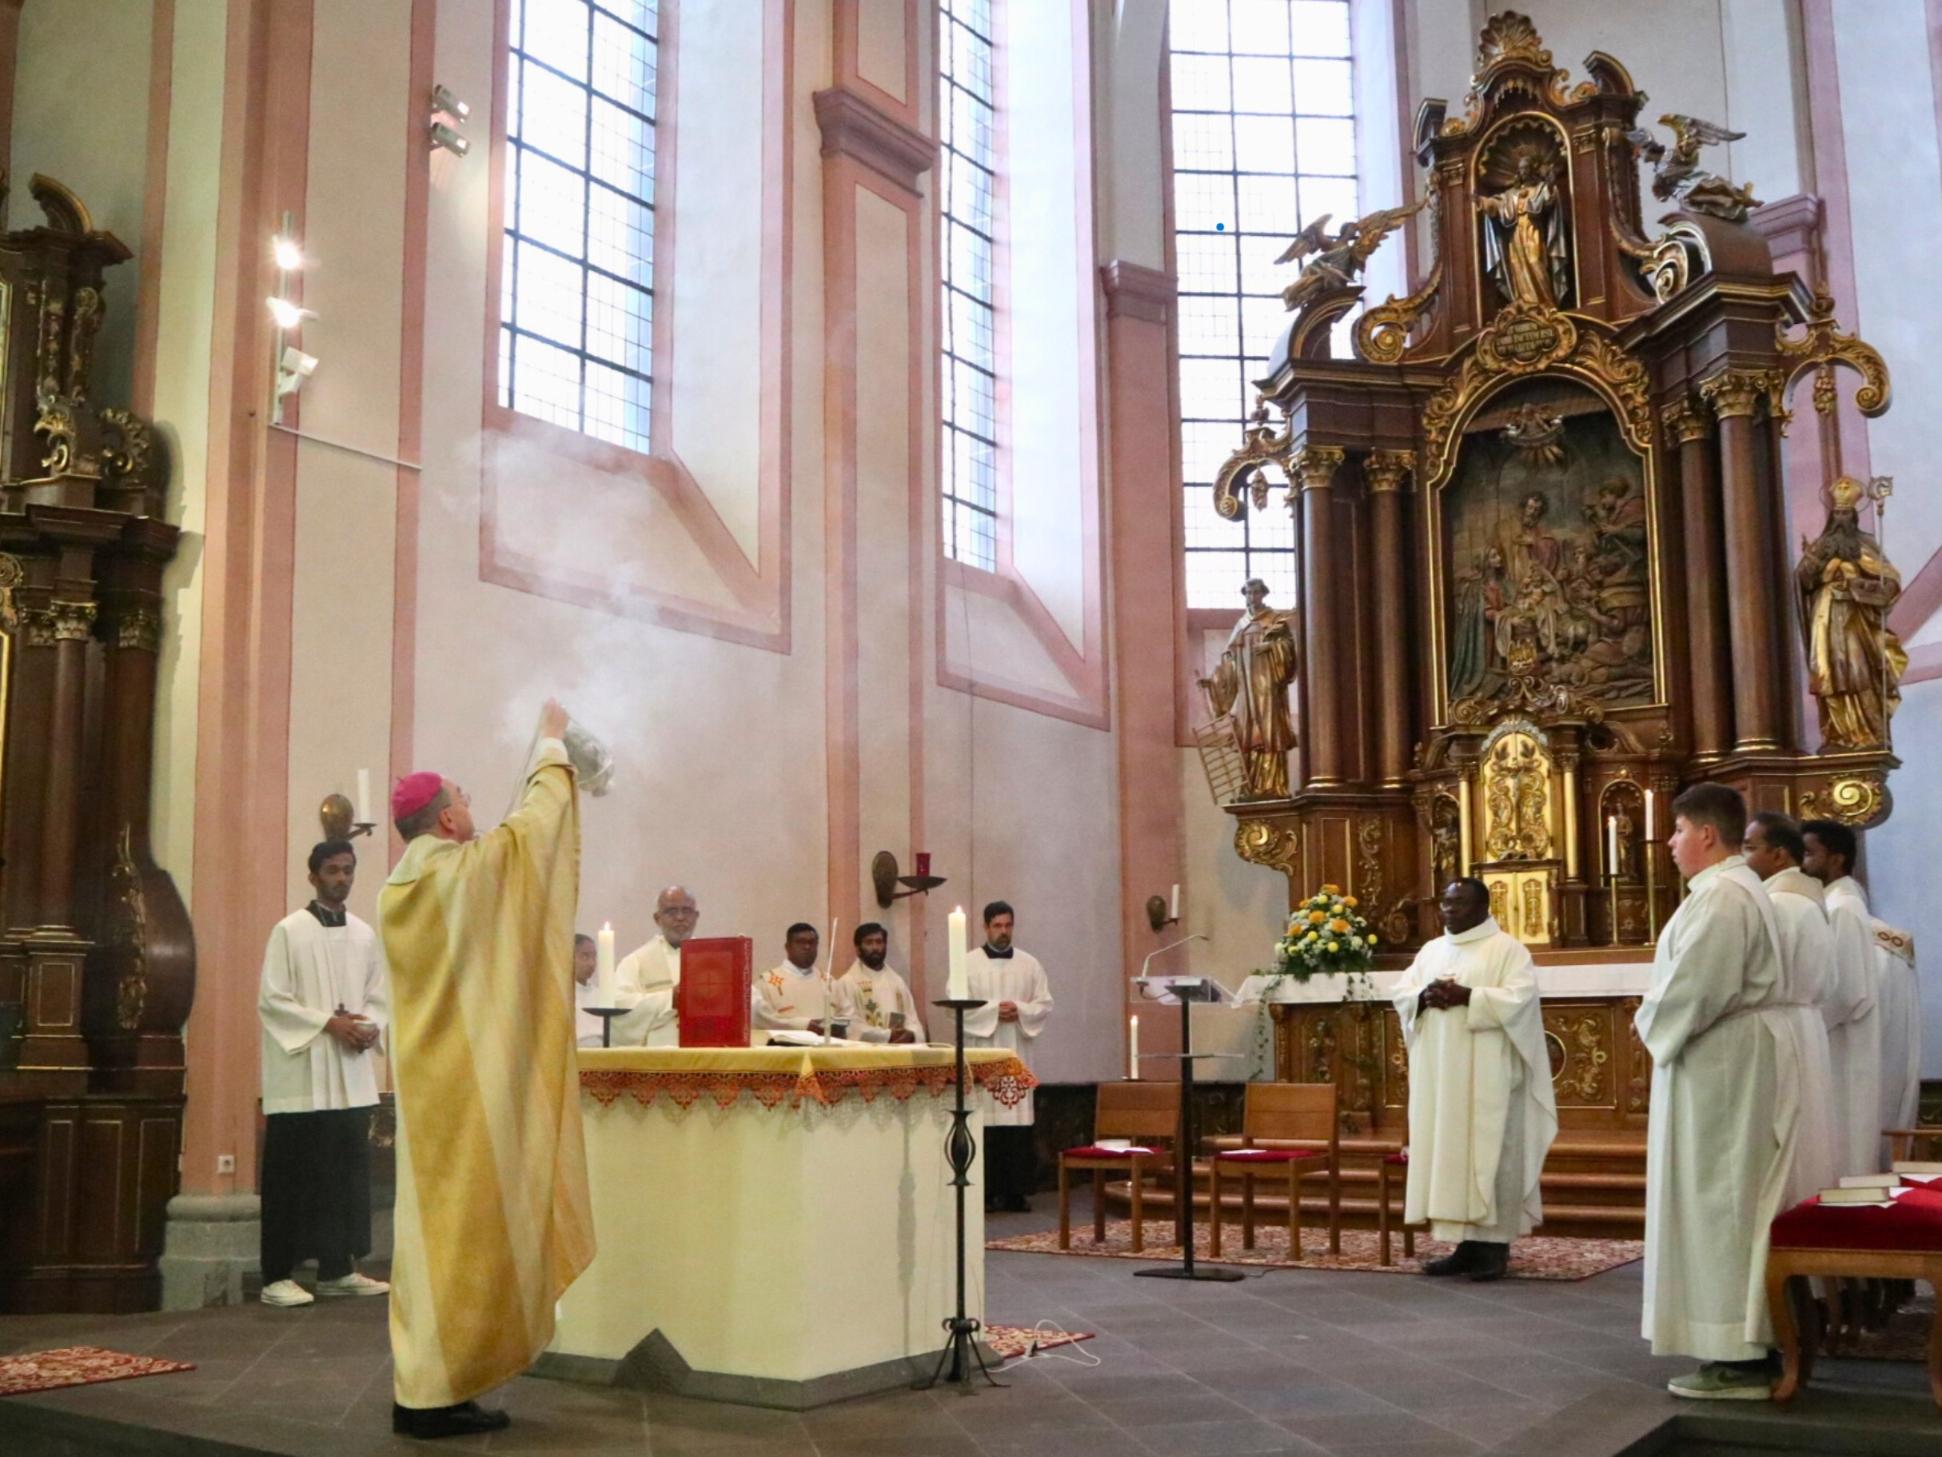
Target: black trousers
x=316, y=1192
x=1012, y=1162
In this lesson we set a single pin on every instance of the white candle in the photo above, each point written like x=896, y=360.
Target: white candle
x=364, y=796
x=1648, y=817
x=958, y=987
x=1133, y=1043
x=829, y=982
x=1175, y=912
x=603, y=966
x=1611, y=844
x=1463, y=826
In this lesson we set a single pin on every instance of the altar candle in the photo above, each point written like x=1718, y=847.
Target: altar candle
x=364, y=796
x=1133, y=1046
x=958, y=987
x=603, y=966
x=1611, y=845
x=1175, y=912
x=1648, y=817
x=1463, y=826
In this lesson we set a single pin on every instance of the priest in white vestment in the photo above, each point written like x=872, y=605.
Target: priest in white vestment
x=1901, y=1025
x=1774, y=849
x=647, y=976
x=324, y=1006
x=1018, y=1002
x=796, y=996
x=1855, y=1046
x=1482, y=1114
x=878, y=1001
x=1725, y=1108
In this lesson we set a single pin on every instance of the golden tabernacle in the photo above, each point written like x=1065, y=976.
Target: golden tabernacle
x=1545, y=492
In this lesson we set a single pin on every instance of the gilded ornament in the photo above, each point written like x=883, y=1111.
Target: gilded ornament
x=1382, y=333
x=1315, y=466
x=12, y=574
x=1820, y=348
x=87, y=320
x=1536, y=434
x=1582, y=1053
x=1260, y=843
x=1525, y=248
x=1846, y=588
x=1677, y=176
x=1738, y=393
x=1263, y=445
x=1859, y=800
x=128, y=932
x=38, y=623
x=1249, y=687
x=73, y=621
x=1368, y=864
x=1333, y=260
x=1684, y=423
x=1387, y=470
x=140, y=629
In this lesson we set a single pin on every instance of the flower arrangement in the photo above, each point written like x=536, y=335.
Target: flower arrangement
x=1327, y=935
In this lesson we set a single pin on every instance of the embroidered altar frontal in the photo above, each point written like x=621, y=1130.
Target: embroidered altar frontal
x=789, y=1077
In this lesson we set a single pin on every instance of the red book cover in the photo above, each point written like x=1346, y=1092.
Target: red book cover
x=711, y=1001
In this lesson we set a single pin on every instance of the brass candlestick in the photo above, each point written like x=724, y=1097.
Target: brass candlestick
x=1651, y=892
x=1612, y=876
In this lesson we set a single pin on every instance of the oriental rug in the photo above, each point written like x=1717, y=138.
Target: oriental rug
x=1904, y=1338
x=1009, y=1342
x=1535, y=1257
x=77, y=1366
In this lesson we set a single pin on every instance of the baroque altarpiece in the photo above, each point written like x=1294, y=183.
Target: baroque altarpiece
x=1544, y=580
x=97, y=961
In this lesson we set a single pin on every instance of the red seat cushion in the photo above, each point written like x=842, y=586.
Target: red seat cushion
x=1914, y=1224
x=1271, y=1155
x=1094, y=1151
x=1401, y=1158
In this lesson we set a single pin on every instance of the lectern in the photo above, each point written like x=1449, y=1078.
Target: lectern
x=1184, y=991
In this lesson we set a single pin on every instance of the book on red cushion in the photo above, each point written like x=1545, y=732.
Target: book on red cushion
x=711, y=1001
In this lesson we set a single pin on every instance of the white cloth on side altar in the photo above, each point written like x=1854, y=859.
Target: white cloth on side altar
x=1855, y=1044
x=1482, y=1114
x=1900, y=1011
x=644, y=983
x=309, y=971
x=1725, y=1110
x=1018, y=979
x=586, y=1026
x=787, y=998
x=1806, y=963
x=871, y=996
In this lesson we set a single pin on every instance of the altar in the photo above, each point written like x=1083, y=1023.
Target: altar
x=775, y=1225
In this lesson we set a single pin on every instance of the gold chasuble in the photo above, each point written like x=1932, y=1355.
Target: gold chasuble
x=492, y=1218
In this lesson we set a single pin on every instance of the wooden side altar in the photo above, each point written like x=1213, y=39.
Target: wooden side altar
x=1544, y=577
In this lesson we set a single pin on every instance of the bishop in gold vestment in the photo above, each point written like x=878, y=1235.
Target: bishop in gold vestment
x=492, y=1218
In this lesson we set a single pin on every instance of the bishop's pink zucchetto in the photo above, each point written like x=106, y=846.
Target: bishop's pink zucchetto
x=413, y=792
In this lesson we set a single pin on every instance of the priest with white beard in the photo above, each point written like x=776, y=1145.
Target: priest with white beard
x=1856, y=1046
x=646, y=977
x=1725, y=1108
x=1774, y=849
x=880, y=1006
x=1481, y=1111
x=1017, y=1003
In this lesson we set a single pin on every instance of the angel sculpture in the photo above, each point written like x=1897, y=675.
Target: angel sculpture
x=1678, y=178
x=1333, y=262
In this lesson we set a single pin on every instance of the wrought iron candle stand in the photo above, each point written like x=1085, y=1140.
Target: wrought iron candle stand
x=961, y=1341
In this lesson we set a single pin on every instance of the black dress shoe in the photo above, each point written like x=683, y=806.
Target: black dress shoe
x=1018, y=1204
x=1459, y=1261
x=1491, y=1262
x=467, y=1419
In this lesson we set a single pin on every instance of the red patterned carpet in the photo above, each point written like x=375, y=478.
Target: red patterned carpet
x=1013, y=1341
x=1533, y=1258
x=76, y=1366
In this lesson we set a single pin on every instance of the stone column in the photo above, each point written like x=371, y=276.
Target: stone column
x=1753, y=595
x=1385, y=472
x=1322, y=616
x=1708, y=658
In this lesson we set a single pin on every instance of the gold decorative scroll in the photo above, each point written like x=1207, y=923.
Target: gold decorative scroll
x=1260, y=843
x=1821, y=348
x=1263, y=446
x=1382, y=333
x=1518, y=812
x=1859, y=800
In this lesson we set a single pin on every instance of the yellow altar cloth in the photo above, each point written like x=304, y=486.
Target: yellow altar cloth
x=774, y=1224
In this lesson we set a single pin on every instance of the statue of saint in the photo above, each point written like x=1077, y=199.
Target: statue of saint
x=1854, y=659
x=1251, y=685
x=1524, y=238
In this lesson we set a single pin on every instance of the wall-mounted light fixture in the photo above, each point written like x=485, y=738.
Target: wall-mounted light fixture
x=448, y=114
x=289, y=366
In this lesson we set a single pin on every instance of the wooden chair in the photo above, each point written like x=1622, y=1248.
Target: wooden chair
x=1393, y=1166
x=1277, y=1115
x=1907, y=1144
x=1149, y=1114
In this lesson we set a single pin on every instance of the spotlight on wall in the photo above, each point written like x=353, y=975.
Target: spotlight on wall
x=288, y=253
x=293, y=369
x=444, y=101
x=451, y=141
x=287, y=314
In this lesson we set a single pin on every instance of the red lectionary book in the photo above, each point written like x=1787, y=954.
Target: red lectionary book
x=711, y=1001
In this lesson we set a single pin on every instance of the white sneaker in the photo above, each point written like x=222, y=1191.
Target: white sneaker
x=353, y=1284
x=286, y=1292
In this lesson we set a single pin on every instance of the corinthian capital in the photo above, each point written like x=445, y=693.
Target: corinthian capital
x=1386, y=470
x=73, y=621
x=1738, y=392
x=1316, y=466
x=1685, y=422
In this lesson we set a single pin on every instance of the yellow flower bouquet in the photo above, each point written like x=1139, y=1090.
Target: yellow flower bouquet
x=1326, y=936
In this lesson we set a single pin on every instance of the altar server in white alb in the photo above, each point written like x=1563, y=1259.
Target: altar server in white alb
x=324, y=1006
x=1774, y=849
x=1855, y=1046
x=1725, y=1108
x=647, y=976
x=795, y=996
x=1018, y=1002
x=1482, y=1115
x=1901, y=1028
x=879, y=1004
